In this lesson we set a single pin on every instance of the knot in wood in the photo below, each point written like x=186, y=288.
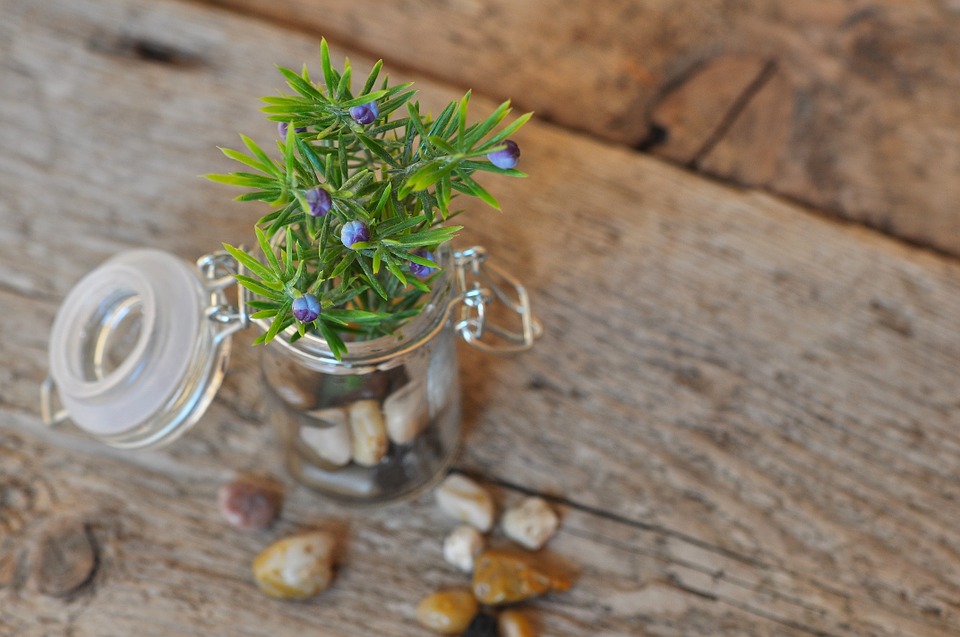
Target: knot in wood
x=65, y=557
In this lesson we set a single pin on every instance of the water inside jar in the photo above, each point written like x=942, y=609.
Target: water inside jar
x=110, y=335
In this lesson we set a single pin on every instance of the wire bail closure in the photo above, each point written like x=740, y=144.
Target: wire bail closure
x=219, y=270
x=481, y=285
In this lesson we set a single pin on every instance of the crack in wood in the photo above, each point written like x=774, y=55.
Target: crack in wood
x=614, y=517
x=145, y=49
x=739, y=105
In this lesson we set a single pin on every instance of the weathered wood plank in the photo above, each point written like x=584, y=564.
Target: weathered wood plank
x=747, y=413
x=846, y=106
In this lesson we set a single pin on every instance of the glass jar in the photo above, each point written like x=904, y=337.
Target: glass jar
x=140, y=345
x=383, y=422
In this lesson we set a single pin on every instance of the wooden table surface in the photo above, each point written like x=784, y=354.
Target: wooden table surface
x=746, y=411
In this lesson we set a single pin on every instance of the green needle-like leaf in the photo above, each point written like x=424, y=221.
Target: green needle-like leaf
x=269, y=165
x=251, y=264
x=372, y=77
x=267, y=250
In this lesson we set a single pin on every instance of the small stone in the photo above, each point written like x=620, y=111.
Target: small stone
x=297, y=567
x=462, y=546
x=531, y=523
x=483, y=625
x=330, y=439
x=463, y=499
x=500, y=577
x=406, y=412
x=368, y=432
x=513, y=623
x=447, y=612
x=250, y=504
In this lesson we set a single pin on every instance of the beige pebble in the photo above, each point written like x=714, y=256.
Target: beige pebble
x=447, y=612
x=297, y=567
x=466, y=501
x=368, y=433
x=531, y=523
x=406, y=412
x=462, y=546
x=331, y=440
x=513, y=623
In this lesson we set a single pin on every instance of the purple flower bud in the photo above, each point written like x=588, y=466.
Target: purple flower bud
x=506, y=157
x=319, y=200
x=282, y=129
x=365, y=114
x=422, y=271
x=354, y=232
x=306, y=308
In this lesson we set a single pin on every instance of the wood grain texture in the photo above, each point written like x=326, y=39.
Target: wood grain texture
x=856, y=115
x=745, y=413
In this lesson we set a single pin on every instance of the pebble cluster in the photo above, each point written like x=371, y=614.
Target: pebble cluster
x=301, y=566
x=361, y=431
x=498, y=577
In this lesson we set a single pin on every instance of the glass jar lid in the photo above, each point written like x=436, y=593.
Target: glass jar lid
x=134, y=355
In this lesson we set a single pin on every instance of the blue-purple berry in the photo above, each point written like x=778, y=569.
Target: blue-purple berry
x=422, y=271
x=306, y=308
x=319, y=201
x=354, y=232
x=282, y=129
x=506, y=157
x=365, y=114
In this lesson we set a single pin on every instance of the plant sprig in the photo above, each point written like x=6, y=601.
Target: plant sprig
x=360, y=192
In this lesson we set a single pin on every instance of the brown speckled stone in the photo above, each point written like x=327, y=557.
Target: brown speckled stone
x=250, y=504
x=297, y=567
x=501, y=577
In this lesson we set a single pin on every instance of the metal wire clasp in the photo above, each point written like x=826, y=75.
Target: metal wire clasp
x=218, y=270
x=481, y=286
